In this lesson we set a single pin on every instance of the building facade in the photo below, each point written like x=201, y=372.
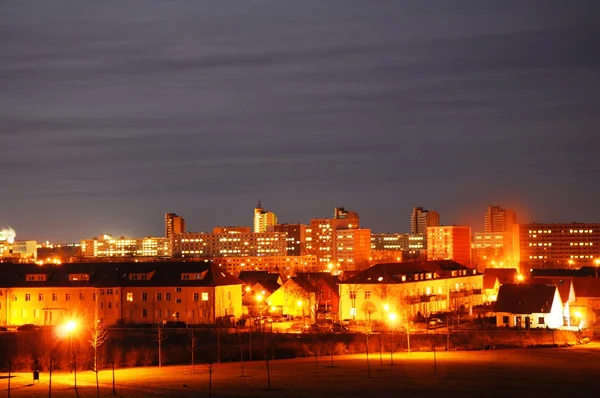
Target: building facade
x=263, y=219
x=396, y=241
x=498, y=219
x=449, y=243
x=421, y=219
x=232, y=243
x=284, y=265
x=409, y=289
x=295, y=237
x=107, y=246
x=352, y=249
x=559, y=245
x=118, y=294
x=174, y=224
x=321, y=234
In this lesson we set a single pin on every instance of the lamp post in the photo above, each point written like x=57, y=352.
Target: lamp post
x=392, y=317
x=70, y=328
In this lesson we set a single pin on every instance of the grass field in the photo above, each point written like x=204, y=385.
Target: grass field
x=553, y=372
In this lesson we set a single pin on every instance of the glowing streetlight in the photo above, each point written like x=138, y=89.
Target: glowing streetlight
x=392, y=317
x=386, y=307
x=69, y=330
x=259, y=298
x=70, y=326
x=520, y=278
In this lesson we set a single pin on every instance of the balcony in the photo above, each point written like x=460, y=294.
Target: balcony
x=427, y=299
x=412, y=300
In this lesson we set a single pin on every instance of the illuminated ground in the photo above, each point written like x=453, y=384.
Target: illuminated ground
x=503, y=373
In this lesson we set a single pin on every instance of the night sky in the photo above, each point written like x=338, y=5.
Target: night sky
x=115, y=112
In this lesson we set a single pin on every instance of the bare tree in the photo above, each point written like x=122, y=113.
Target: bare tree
x=368, y=308
x=113, y=357
x=267, y=361
x=159, y=338
x=98, y=337
x=192, y=346
x=50, y=363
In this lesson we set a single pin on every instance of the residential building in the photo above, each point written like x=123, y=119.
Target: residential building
x=395, y=241
x=529, y=306
x=310, y=296
x=498, y=219
x=409, y=289
x=321, y=234
x=352, y=248
x=498, y=245
x=493, y=278
x=107, y=246
x=25, y=250
x=449, y=243
x=559, y=245
x=118, y=293
x=421, y=219
x=295, y=237
x=263, y=219
x=174, y=224
x=258, y=286
x=232, y=243
x=284, y=265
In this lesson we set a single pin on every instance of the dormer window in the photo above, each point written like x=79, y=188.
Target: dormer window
x=35, y=277
x=79, y=277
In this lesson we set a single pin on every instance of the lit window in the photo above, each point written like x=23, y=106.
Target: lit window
x=129, y=296
x=204, y=296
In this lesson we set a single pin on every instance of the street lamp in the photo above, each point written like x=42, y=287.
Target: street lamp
x=70, y=327
x=392, y=317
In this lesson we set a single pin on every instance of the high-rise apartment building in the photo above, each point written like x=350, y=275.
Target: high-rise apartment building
x=397, y=241
x=352, y=248
x=496, y=247
x=449, y=243
x=559, y=245
x=499, y=220
x=174, y=224
x=107, y=246
x=232, y=243
x=296, y=237
x=421, y=219
x=321, y=235
x=263, y=219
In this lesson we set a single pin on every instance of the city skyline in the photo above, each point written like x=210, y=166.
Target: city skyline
x=478, y=214
x=110, y=119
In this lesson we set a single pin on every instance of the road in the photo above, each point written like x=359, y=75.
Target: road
x=557, y=372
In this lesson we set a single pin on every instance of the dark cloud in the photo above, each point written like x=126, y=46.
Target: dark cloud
x=113, y=113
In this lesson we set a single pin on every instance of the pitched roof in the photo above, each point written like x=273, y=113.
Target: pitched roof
x=586, y=287
x=563, y=285
x=525, y=298
x=564, y=272
x=117, y=274
x=387, y=273
x=504, y=275
x=252, y=277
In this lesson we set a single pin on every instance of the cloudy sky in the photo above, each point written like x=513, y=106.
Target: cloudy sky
x=115, y=112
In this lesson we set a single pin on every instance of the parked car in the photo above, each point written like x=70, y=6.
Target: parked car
x=27, y=327
x=3, y=329
x=314, y=328
x=296, y=329
x=434, y=323
x=338, y=328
